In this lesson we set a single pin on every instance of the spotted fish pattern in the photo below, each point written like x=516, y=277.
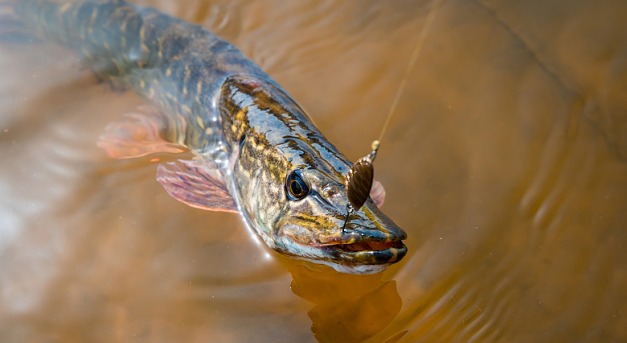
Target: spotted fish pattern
x=256, y=150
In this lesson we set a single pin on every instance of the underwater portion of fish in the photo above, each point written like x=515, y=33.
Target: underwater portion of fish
x=256, y=151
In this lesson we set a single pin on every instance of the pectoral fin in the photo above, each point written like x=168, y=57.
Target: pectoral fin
x=197, y=184
x=141, y=133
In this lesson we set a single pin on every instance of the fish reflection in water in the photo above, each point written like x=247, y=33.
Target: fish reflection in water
x=347, y=308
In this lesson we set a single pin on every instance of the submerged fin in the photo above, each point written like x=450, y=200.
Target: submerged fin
x=377, y=193
x=196, y=183
x=140, y=134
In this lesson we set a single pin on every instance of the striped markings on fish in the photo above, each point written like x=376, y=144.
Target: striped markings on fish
x=256, y=151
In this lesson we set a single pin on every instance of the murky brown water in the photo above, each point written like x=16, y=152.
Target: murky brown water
x=506, y=163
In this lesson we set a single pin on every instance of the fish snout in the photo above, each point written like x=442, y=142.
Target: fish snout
x=370, y=222
x=369, y=237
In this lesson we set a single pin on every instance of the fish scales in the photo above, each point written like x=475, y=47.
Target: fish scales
x=257, y=152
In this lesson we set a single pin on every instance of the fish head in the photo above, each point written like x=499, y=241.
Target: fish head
x=318, y=224
x=291, y=184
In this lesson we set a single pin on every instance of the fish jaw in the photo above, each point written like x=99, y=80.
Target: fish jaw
x=366, y=243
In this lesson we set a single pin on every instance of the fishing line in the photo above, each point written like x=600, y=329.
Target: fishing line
x=412, y=61
x=360, y=176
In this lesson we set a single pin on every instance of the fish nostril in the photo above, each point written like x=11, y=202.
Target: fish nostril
x=329, y=192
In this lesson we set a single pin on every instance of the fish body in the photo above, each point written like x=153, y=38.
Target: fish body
x=256, y=150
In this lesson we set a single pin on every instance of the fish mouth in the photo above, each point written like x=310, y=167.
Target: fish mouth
x=369, y=246
x=357, y=249
x=367, y=252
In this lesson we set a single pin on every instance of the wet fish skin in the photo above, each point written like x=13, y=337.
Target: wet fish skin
x=236, y=120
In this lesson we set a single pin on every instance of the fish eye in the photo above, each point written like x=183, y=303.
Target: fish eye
x=296, y=187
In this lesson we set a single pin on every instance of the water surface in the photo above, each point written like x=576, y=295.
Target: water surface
x=506, y=163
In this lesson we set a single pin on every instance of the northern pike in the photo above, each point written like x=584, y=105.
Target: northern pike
x=256, y=152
